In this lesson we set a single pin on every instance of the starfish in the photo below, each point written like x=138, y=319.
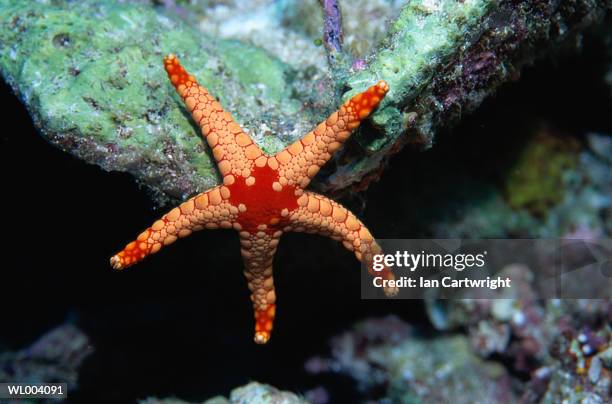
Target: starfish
x=262, y=196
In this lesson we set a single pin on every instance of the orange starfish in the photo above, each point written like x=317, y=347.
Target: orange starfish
x=262, y=196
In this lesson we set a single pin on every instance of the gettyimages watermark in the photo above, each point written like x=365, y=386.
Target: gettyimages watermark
x=491, y=269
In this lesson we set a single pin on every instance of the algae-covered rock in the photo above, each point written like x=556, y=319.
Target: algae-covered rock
x=257, y=393
x=387, y=355
x=535, y=181
x=55, y=357
x=532, y=190
x=442, y=370
x=252, y=393
x=91, y=75
x=443, y=58
x=578, y=373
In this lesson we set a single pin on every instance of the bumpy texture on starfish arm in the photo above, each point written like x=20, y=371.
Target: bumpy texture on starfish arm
x=258, y=252
x=301, y=161
x=207, y=210
x=233, y=150
x=262, y=196
x=320, y=215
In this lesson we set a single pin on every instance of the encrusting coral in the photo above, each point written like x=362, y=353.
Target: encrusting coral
x=55, y=357
x=262, y=196
x=87, y=73
x=253, y=392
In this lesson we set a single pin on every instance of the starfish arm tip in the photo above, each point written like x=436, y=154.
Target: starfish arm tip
x=382, y=87
x=116, y=262
x=391, y=292
x=177, y=74
x=170, y=60
x=387, y=274
x=317, y=147
x=261, y=337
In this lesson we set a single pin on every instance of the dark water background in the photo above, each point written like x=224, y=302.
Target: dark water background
x=180, y=323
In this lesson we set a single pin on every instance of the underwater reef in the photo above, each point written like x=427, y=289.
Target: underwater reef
x=90, y=74
x=54, y=358
x=392, y=362
x=537, y=191
x=253, y=392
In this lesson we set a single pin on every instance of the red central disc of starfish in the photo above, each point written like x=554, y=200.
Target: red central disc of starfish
x=263, y=204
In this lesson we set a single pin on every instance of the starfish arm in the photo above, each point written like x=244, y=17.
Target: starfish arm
x=232, y=148
x=209, y=209
x=321, y=215
x=301, y=161
x=258, y=253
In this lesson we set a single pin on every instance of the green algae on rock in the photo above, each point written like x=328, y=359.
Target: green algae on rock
x=488, y=188
x=92, y=78
x=536, y=182
x=443, y=58
x=90, y=74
